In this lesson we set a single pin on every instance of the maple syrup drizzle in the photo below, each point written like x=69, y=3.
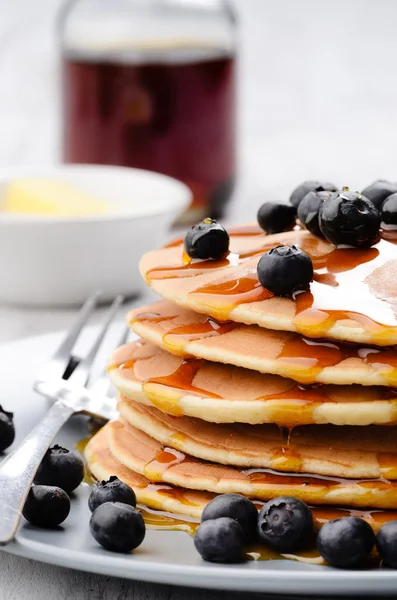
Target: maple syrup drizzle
x=239, y=291
x=296, y=404
x=182, y=379
x=341, y=277
x=165, y=459
x=176, y=339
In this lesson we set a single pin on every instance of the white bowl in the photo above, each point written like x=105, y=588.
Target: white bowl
x=48, y=261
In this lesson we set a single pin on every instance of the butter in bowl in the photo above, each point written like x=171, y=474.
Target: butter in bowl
x=68, y=230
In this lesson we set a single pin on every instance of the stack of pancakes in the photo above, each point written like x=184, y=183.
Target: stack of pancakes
x=231, y=389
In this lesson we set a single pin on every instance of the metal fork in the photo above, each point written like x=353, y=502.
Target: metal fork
x=67, y=380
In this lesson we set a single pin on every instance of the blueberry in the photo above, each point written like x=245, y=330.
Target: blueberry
x=220, y=540
x=386, y=543
x=310, y=186
x=208, y=239
x=345, y=542
x=285, y=269
x=234, y=506
x=117, y=526
x=62, y=468
x=112, y=490
x=285, y=524
x=349, y=218
x=389, y=212
x=378, y=191
x=7, y=429
x=275, y=218
x=46, y=506
x=308, y=211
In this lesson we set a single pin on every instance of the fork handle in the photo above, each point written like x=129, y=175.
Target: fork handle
x=17, y=471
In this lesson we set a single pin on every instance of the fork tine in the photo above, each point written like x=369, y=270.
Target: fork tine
x=82, y=373
x=102, y=385
x=58, y=363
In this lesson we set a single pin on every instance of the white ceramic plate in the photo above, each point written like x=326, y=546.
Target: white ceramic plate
x=165, y=556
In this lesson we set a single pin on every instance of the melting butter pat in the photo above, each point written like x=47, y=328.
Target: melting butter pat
x=50, y=197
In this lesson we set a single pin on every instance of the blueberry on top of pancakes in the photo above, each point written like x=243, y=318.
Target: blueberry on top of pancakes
x=275, y=218
x=285, y=269
x=310, y=186
x=349, y=218
x=207, y=239
x=379, y=190
x=389, y=212
x=308, y=211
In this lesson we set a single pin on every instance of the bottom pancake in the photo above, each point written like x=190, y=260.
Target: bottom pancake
x=164, y=497
x=185, y=502
x=146, y=456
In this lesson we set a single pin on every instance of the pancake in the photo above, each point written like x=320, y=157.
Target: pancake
x=186, y=333
x=353, y=296
x=103, y=465
x=350, y=452
x=227, y=394
x=146, y=456
x=185, y=502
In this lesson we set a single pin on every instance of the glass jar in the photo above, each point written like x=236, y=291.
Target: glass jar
x=151, y=84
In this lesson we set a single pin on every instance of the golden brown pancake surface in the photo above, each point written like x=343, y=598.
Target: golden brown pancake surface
x=146, y=456
x=191, y=502
x=189, y=334
x=353, y=295
x=351, y=452
x=227, y=394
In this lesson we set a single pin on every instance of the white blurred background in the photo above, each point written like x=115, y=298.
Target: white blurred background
x=318, y=84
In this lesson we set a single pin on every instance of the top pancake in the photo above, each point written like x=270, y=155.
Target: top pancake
x=353, y=296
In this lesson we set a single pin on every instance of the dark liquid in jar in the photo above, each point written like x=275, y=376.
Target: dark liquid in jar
x=173, y=113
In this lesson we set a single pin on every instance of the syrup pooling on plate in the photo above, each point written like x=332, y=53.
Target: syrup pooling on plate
x=163, y=521
x=356, y=285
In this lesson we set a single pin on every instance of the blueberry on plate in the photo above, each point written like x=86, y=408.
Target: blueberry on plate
x=386, y=543
x=389, y=212
x=349, y=218
x=208, y=239
x=345, y=542
x=234, y=506
x=61, y=468
x=220, y=540
x=285, y=269
x=308, y=211
x=46, y=506
x=310, y=186
x=285, y=524
x=379, y=190
x=112, y=490
x=275, y=218
x=7, y=429
x=117, y=526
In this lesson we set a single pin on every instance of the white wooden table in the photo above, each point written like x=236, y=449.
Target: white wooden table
x=318, y=96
